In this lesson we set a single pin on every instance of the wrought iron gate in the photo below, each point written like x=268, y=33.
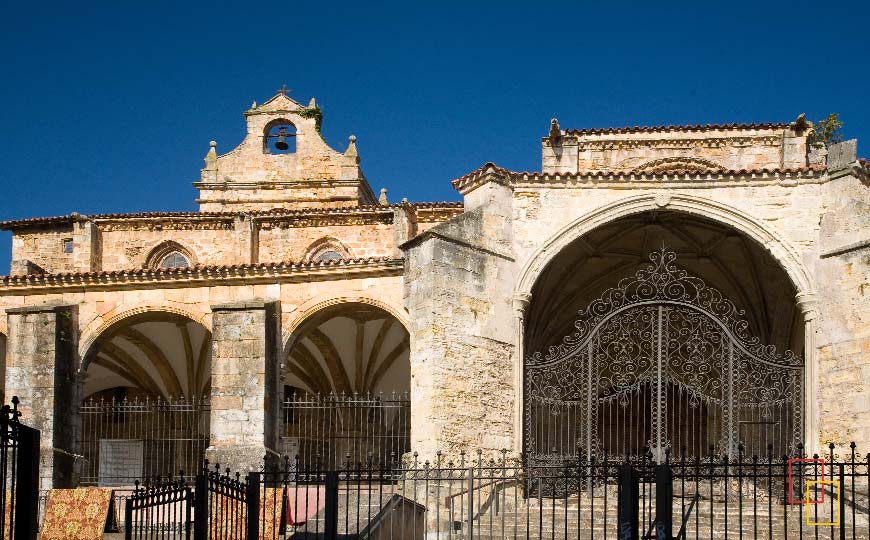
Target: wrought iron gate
x=662, y=361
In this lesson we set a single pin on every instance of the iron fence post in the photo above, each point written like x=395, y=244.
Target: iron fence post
x=470, y=503
x=627, y=510
x=200, y=507
x=664, y=502
x=128, y=519
x=841, y=503
x=253, y=503
x=27, y=483
x=330, y=527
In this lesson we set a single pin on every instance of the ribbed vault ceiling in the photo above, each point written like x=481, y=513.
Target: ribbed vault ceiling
x=349, y=348
x=162, y=354
x=722, y=257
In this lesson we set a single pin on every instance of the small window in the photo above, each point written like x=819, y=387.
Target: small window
x=174, y=260
x=330, y=255
x=67, y=245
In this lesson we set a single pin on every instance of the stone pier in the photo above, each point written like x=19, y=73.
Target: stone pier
x=244, y=395
x=40, y=370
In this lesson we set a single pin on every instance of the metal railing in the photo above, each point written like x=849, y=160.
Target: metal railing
x=331, y=430
x=126, y=440
x=478, y=497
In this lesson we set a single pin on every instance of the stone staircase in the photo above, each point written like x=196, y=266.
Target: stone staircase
x=505, y=514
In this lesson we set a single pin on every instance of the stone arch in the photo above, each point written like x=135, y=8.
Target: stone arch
x=100, y=324
x=346, y=377
x=291, y=134
x=324, y=244
x=779, y=247
x=159, y=352
x=145, y=377
x=313, y=305
x=165, y=248
x=663, y=165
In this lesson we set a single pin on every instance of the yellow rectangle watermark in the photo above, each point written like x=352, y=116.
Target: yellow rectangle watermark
x=812, y=523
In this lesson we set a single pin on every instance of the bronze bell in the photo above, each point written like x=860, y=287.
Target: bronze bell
x=281, y=144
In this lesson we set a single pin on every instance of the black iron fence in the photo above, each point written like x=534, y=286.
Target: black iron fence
x=329, y=430
x=19, y=474
x=480, y=497
x=126, y=440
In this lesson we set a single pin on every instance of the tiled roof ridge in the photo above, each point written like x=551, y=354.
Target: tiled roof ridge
x=487, y=167
x=675, y=172
x=191, y=270
x=684, y=128
x=195, y=214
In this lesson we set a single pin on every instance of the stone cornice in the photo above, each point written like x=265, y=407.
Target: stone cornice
x=628, y=179
x=278, y=184
x=665, y=142
x=199, y=276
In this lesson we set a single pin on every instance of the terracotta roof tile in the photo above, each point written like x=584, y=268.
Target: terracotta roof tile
x=679, y=128
x=71, y=218
x=229, y=270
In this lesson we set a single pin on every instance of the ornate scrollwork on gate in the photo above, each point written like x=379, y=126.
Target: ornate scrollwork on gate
x=661, y=360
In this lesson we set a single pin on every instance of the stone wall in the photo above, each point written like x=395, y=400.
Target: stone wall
x=457, y=291
x=843, y=277
x=44, y=248
x=668, y=148
x=278, y=243
x=126, y=246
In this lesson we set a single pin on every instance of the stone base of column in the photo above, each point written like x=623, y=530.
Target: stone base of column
x=239, y=458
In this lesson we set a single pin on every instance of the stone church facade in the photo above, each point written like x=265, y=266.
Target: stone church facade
x=651, y=287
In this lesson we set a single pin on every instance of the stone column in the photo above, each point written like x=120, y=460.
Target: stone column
x=41, y=368
x=520, y=303
x=808, y=305
x=244, y=388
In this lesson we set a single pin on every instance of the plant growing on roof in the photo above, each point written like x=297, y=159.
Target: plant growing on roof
x=826, y=132
x=313, y=112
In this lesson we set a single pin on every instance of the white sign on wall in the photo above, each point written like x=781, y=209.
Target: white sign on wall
x=121, y=461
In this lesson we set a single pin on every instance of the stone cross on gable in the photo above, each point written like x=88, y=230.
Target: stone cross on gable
x=284, y=90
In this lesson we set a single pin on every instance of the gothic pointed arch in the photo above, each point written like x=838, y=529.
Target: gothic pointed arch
x=169, y=254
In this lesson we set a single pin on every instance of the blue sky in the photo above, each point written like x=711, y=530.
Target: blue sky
x=109, y=106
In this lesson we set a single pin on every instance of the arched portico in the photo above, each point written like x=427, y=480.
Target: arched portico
x=346, y=379
x=769, y=244
x=144, y=382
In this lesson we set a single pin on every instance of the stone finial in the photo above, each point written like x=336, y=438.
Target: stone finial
x=211, y=162
x=254, y=105
x=383, y=198
x=801, y=124
x=351, y=147
x=312, y=104
x=555, y=131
